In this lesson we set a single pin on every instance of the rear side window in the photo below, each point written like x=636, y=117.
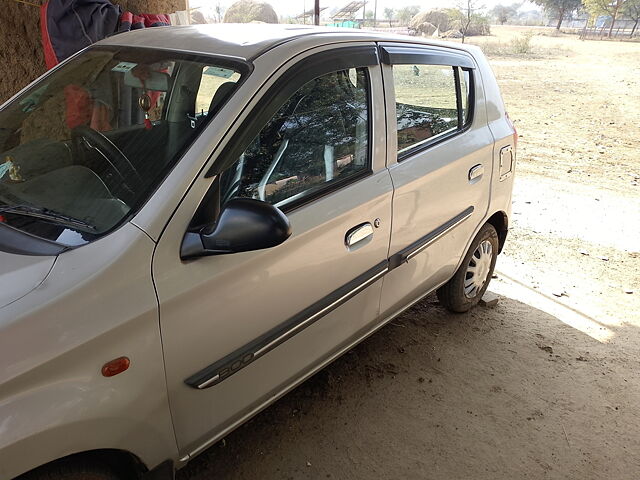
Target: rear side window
x=432, y=101
x=215, y=84
x=465, y=94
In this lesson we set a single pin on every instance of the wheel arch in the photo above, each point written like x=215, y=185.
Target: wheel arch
x=99, y=439
x=500, y=222
x=126, y=464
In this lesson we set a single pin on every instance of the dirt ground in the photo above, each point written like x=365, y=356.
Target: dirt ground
x=546, y=384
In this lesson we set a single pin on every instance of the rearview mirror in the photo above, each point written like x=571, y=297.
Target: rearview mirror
x=244, y=225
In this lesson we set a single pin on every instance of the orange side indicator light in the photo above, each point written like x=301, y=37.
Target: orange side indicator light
x=115, y=366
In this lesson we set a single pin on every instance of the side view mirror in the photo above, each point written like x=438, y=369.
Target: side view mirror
x=244, y=225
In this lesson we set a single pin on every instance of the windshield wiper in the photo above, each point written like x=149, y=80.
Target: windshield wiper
x=46, y=214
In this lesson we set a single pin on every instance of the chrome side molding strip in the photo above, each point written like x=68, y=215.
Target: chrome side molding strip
x=243, y=356
x=240, y=358
x=419, y=245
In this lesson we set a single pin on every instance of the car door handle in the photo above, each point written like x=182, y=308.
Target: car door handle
x=358, y=233
x=476, y=172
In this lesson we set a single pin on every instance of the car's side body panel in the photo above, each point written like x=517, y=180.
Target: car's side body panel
x=503, y=133
x=432, y=193
x=216, y=306
x=32, y=271
x=54, y=401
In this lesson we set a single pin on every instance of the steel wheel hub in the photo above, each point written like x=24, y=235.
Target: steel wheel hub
x=478, y=269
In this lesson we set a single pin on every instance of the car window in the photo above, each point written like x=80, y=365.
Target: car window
x=465, y=94
x=83, y=148
x=215, y=83
x=317, y=138
x=426, y=102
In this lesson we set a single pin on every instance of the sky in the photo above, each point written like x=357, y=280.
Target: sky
x=295, y=7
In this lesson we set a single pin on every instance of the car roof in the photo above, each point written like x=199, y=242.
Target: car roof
x=249, y=40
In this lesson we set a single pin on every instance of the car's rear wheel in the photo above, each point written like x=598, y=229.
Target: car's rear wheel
x=467, y=286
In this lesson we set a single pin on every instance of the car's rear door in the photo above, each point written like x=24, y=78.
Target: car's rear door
x=440, y=160
x=240, y=329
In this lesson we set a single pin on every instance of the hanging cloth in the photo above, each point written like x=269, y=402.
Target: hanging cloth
x=68, y=26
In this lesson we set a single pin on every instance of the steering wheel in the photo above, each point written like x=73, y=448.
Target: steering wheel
x=83, y=135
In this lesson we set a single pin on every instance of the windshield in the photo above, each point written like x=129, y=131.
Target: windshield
x=82, y=149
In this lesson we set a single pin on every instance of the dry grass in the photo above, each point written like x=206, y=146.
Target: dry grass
x=576, y=104
x=426, y=85
x=522, y=43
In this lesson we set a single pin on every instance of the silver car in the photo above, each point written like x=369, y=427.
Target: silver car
x=194, y=220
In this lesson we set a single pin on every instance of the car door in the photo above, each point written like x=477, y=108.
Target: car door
x=240, y=329
x=440, y=158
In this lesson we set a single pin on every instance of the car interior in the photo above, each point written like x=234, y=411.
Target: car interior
x=92, y=140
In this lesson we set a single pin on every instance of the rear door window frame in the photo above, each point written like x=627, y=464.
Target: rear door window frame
x=458, y=61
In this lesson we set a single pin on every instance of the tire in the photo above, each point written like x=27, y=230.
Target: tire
x=463, y=291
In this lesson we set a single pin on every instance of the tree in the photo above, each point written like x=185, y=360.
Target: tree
x=219, y=12
x=389, y=14
x=561, y=8
x=405, y=14
x=468, y=9
x=606, y=7
x=504, y=13
x=368, y=18
x=632, y=10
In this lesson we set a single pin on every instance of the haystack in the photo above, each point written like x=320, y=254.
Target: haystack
x=246, y=11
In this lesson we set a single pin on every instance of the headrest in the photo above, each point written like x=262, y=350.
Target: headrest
x=220, y=96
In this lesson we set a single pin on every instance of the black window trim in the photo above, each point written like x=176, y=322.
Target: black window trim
x=307, y=69
x=18, y=242
x=412, y=55
x=301, y=199
x=456, y=77
x=409, y=55
x=471, y=100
